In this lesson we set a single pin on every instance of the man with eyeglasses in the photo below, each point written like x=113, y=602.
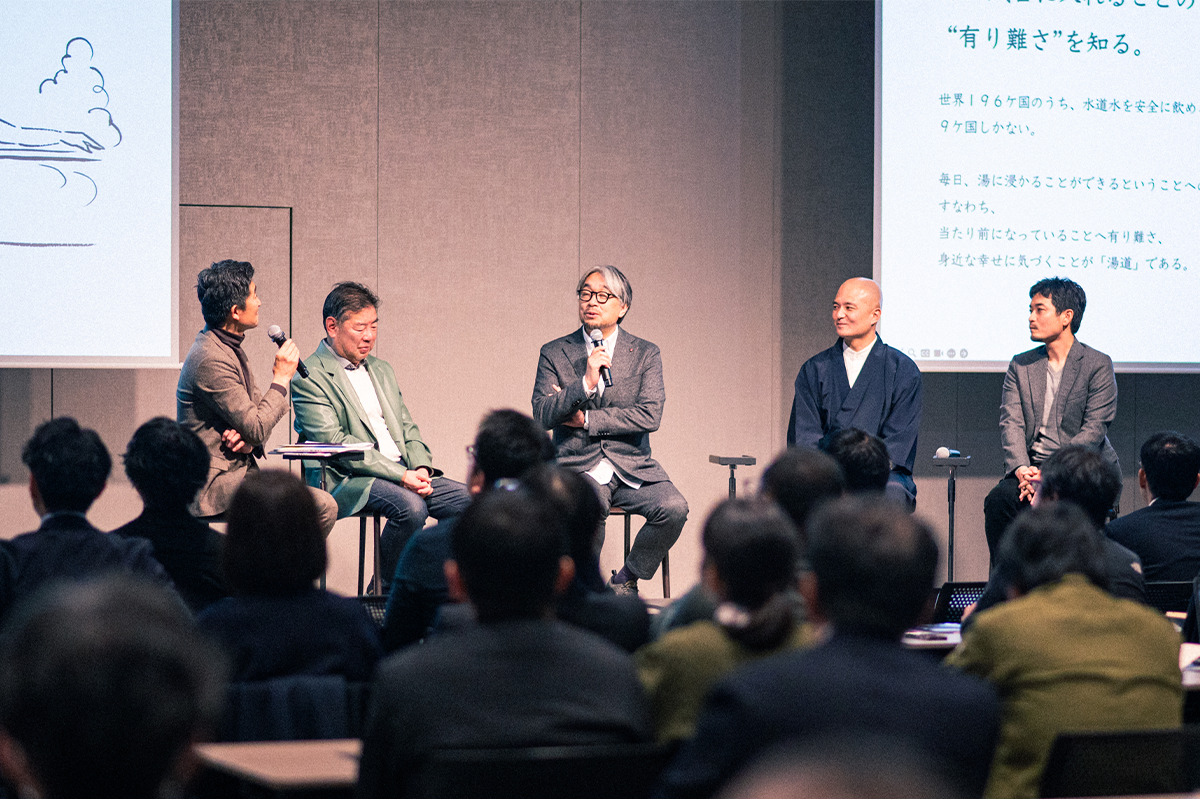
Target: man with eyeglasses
x=862, y=383
x=600, y=389
x=352, y=396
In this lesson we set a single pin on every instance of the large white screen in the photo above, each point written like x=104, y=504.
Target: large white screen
x=87, y=200
x=1021, y=139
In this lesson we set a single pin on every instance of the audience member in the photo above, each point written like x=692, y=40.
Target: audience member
x=799, y=480
x=862, y=765
x=1065, y=654
x=168, y=464
x=588, y=601
x=507, y=444
x=1081, y=475
x=750, y=551
x=104, y=686
x=277, y=623
x=862, y=457
x=68, y=468
x=1165, y=534
x=519, y=678
x=872, y=573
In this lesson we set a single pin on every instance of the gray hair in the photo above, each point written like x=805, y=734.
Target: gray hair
x=614, y=280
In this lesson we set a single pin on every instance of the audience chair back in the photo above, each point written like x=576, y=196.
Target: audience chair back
x=1169, y=595
x=1109, y=763
x=295, y=708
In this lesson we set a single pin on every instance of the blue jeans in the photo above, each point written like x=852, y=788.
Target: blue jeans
x=406, y=512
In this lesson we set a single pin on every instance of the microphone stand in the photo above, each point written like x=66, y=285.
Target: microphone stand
x=952, y=463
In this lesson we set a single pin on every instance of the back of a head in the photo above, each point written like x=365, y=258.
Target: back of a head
x=577, y=506
x=69, y=464
x=166, y=463
x=1045, y=543
x=753, y=546
x=1081, y=475
x=1172, y=462
x=800, y=479
x=508, y=444
x=273, y=540
x=874, y=565
x=862, y=457
x=505, y=533
x=105, y=685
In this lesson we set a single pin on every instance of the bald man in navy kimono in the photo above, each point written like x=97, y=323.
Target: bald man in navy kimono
x=860, y=382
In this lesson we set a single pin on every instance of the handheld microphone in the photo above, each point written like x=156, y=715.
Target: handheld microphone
x=276, y=335
x=605, y=372
x=946, y=452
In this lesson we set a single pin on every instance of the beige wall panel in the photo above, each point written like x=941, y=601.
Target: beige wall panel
x=278, y=107
x=667, y=178
x=478, y=188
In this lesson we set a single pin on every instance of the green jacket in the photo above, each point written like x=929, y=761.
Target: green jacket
x=1069, y=657
x=328, y=410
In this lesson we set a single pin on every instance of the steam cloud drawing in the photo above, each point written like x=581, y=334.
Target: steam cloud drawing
x=49, y=159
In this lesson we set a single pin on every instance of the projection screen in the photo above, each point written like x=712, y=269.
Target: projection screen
x=1021, y=139
x=88, y=203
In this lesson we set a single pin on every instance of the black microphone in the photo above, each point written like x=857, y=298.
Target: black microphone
x=605, y=372
x=276, y=335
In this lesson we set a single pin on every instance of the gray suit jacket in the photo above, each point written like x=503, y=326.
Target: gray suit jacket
x=1085, y=405
x=212, y=397
x=620, y=423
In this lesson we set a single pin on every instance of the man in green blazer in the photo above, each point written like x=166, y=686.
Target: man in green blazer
x=352, y=396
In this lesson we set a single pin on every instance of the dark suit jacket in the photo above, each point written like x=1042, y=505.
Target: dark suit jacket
x=189, y=551
x=67, y=548
x=847, y=685
x=619, y=423
x=519, y=683
x=1085, y=405
x=211, y=398
x=1165, y=536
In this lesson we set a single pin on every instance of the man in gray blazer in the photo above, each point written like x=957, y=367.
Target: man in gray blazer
x=217, y=398
x=600, y=389
x=1060, y=393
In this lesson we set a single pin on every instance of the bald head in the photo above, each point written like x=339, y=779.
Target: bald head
x=856, y=311
x=866, y=288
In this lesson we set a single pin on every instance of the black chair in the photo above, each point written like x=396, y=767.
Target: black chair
x=954, y=598
x=616, y=770
x=294, y=708
x=1101, y=764
x=1169, y=595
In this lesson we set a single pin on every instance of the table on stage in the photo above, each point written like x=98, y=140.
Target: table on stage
x=325, y=767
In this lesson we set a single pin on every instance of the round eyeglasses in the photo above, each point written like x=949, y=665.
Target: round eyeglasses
x=586, y=295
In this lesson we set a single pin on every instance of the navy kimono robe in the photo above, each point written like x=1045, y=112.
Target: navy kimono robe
x=885, y=402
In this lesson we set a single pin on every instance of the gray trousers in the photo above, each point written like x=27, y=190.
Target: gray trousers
x=665, y=511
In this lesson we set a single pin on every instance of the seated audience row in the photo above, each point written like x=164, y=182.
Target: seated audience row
x=790, y=654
